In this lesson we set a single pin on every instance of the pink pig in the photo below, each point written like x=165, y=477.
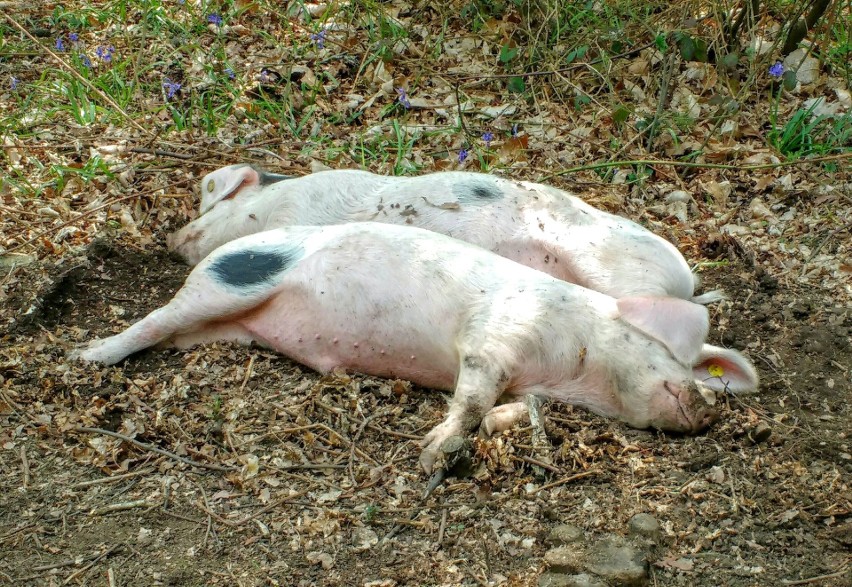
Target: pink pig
x=403, y=302
x=536, y=225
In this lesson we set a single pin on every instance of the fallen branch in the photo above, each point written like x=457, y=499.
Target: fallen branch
x=152, y=448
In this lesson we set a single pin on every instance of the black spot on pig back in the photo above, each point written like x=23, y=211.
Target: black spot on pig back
x=244, y=269
x=478, y=192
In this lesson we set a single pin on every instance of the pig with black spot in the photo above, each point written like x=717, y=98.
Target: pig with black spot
x=396, y=301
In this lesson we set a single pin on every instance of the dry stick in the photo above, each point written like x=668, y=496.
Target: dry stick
x=113, y=479
x=79, y=77
x=813, y=579
x=695, y=165
x=120, y=507
x=25, y=465
x=97, y=559
x=568, y=480
x=160, y=153
x=630, y=53
x=155, y=449
x=80, y=217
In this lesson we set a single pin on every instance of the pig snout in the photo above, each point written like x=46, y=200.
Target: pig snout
x=689, y=408
x=184, y=243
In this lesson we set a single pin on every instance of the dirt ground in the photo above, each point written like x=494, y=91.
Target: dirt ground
x=321, y=484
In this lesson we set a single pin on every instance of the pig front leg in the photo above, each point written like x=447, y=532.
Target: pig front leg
x=479, y=383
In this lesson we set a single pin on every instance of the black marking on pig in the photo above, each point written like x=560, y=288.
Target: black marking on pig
x=266, y=179
x=478, y=192
x=249, y=268
x=474, y=362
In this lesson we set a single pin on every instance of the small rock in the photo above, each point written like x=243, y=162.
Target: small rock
x=581, y=580
x=564, y=534
x=760, y=433
x=678, y=196
x=12, y=260
x=564, y=559
x=646, y=526
x=806, y=68
x=716, y=475
x=619, y=563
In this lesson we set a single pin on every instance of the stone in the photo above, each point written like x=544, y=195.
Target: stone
x=580, y=580
x=564, y=559
x=619, y=563
x=564, y=534
x=645, y=526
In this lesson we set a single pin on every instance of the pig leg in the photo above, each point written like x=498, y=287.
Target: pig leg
x=480, y=382
x=503, y=417
x=199, y=307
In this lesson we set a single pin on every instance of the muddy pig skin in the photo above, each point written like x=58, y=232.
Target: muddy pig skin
x=534, y=224
x=403, y=302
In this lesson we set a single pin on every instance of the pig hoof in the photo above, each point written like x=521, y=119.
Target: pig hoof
x=93, y=352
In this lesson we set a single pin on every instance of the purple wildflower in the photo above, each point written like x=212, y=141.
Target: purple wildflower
x=230, y=73
x=403, y=98
x=319, y=38
x=86, y=61
x=73, y=37
x=171, y=88
x=515, y=130
x=214, y=19
x=60, y=44
x=264, y=76
x=13, y=82
x=777, y=70
x=488, y=137
x=463, y=155
x=105, y=53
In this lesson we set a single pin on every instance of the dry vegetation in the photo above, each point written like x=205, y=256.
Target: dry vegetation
x=227, y=465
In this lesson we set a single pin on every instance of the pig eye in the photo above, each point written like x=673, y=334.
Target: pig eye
x=210, y=185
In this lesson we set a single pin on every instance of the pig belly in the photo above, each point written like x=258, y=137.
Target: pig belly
x=322, y=334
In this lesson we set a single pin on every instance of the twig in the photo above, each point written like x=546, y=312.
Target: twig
x=537, y=463
x=120, y=507
x=568, y=480
x=813, y=579
x=442, y=527
x=161, y=153
x=629, y=53
x=819, y=247
x=155, y=449
x=80, y=217
x=25, y=465
x=97, y=559
x=79, y=77
x=249, y=369
x=695, y=165
x=113, y=479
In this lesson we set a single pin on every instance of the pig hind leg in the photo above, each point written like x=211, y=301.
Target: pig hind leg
x=480, y=382
x=197, y=313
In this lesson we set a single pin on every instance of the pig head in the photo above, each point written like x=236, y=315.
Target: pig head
x=404, y=302
x=536, y=225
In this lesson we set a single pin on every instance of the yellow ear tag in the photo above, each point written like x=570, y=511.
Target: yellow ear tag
x=210, y=185
x=715, y=370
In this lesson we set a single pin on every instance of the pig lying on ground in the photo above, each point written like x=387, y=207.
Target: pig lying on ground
x=403, y=302
x=536, y=225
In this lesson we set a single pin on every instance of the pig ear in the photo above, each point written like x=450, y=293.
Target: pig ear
x=725, y=369
x=681, y=325
x=226, y=183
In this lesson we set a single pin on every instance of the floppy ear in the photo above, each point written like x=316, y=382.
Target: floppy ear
x=680, y=325
x=226, y=183
x=725, y=369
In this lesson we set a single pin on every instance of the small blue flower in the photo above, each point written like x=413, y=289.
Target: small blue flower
x=13, y=82
x=60, y=44
x=73, y=37
x=214, y=19
x=515, y=130
x=171, y=88
x=230, y=73
x=463, y=155
x=403, y=98
x=777, y=70
x=319, y=38
x=264, y=76
x=488, y=137
x=105, y=53
x=86, y=61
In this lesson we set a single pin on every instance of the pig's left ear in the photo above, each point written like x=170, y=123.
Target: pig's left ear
x=725, y=369
x=680, y=325
x=226, y=183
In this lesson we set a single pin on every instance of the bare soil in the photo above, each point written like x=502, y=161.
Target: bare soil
x=323, y=486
